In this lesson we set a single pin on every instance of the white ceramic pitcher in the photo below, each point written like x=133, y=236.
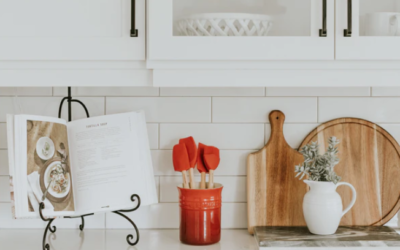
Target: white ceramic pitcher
x=322, y=206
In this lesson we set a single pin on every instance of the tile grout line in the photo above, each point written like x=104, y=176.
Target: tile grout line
x=105, y=110
x=212, y=109
x=159, y=136
x=105, y=105
x=317, y=109
x=265, y=133
x=159, y=188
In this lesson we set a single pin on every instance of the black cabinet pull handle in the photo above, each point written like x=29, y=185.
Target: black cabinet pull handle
x=134, y=31
x=323, y=32
x=349, y=30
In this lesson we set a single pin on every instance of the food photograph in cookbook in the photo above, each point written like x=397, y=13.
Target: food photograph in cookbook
x=49, y=179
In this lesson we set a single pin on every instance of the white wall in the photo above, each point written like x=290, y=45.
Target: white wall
x=233, y=119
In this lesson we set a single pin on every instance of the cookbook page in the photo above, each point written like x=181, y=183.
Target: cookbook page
x=110, y=162
x=42, y=167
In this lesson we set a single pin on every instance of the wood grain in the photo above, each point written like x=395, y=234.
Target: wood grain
x=274, y=195
x=370, y=161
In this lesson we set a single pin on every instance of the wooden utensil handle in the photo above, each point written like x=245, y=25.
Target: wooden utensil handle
x=191, y=178
x=211, y=180
x=203, y=181
x=185, y=182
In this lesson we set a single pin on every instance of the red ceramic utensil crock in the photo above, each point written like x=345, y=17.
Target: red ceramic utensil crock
x=200, y=215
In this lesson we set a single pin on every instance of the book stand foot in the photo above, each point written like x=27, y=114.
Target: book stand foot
x=53, y=229
x=120, y=213
x=81, y=226
x=134, y=197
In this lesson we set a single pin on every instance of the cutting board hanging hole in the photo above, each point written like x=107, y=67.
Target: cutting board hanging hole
x=276, y=118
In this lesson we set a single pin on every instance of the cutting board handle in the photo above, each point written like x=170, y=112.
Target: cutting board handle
x=276, y=118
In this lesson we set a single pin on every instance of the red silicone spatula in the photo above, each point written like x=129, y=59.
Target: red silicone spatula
x=192, y=153
x=211, y=159
x=201, y=166
x=180, y=159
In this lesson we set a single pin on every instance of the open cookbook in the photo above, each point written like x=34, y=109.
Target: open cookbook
x=85, y=166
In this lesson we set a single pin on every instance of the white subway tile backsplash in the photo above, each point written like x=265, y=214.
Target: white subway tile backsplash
x=232, y=119
x=157, y=181
x=234, y=189
x=223, y=136
x=166, y=215
x=246, y=109
x=26, y=91
x=234, y=215
x=3, y=135
x=393, y=129
x=95, y=106
x=48, y=106
x=6, y=221
x=294, y=133
x=3, y=162
x=5, y=189
x=169, y=191
x=350, y=91
x=233, y=163
x=107, y=91
x=162, y=162
x=212, y=91
x=152, y=131
x=162, y=215
x=386, y=91
x=96, y=221
x=164, y=109
x=378, y=110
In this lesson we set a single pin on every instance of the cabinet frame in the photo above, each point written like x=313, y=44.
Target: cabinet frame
x=356, y=47
x=120, y=48
x=164, y=46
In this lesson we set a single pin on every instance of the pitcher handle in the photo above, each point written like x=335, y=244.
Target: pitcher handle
x=354, y=197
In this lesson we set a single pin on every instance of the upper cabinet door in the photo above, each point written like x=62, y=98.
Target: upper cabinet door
x=368, y=30
x=72, y=30
x=241, y=30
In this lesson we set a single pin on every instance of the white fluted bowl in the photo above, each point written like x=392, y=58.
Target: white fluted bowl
x=224, y=24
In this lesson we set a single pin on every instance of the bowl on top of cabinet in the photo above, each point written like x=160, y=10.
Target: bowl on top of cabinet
x=224, y=24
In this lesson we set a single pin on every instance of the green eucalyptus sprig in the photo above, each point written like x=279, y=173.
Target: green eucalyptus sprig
x=319, y=167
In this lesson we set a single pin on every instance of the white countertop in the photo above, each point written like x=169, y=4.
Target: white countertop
x=15, y=239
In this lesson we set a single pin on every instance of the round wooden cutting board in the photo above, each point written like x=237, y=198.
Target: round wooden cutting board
x=370, y=161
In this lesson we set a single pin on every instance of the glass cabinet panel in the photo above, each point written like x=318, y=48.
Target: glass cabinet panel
x=379, y=18
x=242, y=17
x=240, y=30
x=367, y=29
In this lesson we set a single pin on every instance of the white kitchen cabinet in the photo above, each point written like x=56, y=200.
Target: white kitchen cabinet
x=193, y=43
x=73, y=43
x=71, y=30
x=293, y=54
x=185, y=30
x=374, y=26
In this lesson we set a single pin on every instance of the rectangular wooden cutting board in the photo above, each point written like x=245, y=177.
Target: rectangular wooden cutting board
x=274, y=195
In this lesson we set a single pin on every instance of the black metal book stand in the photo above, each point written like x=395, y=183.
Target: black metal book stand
x=134, y=197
